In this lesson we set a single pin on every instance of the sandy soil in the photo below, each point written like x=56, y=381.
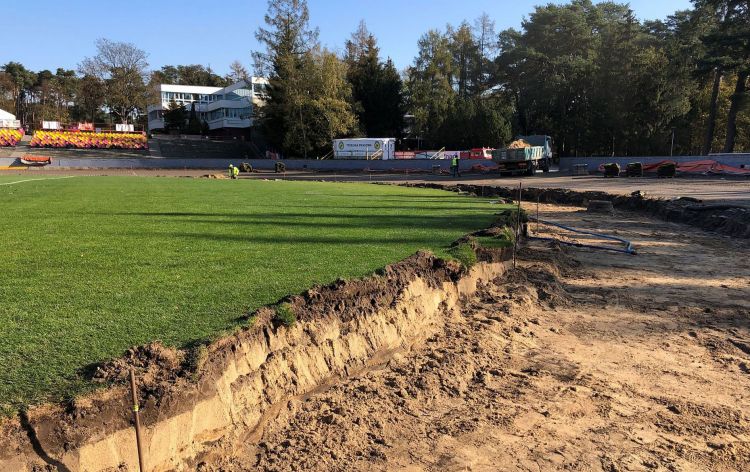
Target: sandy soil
x=578, y=360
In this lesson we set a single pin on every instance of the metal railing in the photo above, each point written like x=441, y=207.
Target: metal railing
x=440, y=154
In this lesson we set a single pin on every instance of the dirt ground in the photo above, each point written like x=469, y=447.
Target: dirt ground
x=577, y=360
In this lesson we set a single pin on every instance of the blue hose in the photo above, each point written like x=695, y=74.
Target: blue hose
x=628, y=245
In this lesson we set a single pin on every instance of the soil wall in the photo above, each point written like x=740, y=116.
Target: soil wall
x=242, y=379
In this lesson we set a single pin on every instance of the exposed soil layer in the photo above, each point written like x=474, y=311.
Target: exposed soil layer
x=224, y=391
x=578, y=360
x=729, y=219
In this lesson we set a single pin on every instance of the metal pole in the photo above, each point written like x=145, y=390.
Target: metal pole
x=137, y=420
x=518, y=225
x=671, y=148
x=537, y=213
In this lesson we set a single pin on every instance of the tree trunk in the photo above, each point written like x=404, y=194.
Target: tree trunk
x=711, y=125
x=739, y=92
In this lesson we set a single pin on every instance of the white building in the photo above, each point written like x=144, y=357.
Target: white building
x=8, y=120
x=227, y=110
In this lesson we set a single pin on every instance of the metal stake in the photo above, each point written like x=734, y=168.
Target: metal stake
x=137, y=420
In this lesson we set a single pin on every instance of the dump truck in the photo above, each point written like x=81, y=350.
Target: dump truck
x=526, y=154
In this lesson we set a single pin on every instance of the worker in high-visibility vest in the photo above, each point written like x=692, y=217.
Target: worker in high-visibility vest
x=235, y=172
x=231, y=171
x=454, y=167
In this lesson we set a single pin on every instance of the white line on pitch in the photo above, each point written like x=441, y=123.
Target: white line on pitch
x=34, y=180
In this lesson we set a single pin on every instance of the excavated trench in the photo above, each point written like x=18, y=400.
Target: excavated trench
x=227, y=390
x=728, y=219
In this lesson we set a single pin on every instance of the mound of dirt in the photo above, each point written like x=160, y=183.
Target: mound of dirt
x=154, y=362
x=213, y=176
x=349, y=299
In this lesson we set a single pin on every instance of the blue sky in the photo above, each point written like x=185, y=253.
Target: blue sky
x=58, y=33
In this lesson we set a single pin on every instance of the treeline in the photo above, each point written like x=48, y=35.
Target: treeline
x=114, y=85
x=592, y=76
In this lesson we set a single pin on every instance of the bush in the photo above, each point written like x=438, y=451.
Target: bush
x=280, y=167
x=284, y=315
x=510, y=218
x=245, y=167
x=464, y=253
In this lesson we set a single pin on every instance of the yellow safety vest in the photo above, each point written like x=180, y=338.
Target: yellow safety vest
x=454, y=162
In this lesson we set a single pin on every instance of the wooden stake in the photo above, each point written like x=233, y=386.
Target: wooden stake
x=137, y=420
x=518, y=225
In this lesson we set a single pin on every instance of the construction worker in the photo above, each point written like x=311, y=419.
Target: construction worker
x=231, y=171
x=235, y=172
x=454, y=167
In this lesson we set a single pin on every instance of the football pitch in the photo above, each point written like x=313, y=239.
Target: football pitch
x=94, y=265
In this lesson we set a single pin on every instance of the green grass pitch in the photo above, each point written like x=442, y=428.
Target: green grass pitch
x=94, y=265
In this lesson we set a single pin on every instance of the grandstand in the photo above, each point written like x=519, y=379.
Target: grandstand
x=10, y=132
x=88, y=140
x=10, y=137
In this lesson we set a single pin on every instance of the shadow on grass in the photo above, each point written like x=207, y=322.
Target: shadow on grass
x=298, y=223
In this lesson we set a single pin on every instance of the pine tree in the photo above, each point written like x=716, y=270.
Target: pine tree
x=288, y=40
x=376, y=86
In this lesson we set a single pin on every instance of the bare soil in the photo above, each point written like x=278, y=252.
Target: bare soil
x=577, y=360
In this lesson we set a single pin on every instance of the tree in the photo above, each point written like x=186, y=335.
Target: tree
x=430, y=93
x=126, y=93
x=122, y=67
x=192, y=74
x=174, y=117
x=20, y=81
x=466, y=61
x=194, y=124
x=376, y=86
x=730, y=44
x=325, y=106
x=597, y=79
x=289, y=43
x=90, y=96
x=487, y=46
x=237, y=72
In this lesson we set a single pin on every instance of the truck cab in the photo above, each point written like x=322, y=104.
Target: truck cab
x=481, y=153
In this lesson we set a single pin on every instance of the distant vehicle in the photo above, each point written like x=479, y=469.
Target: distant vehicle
x=477, y=153
x=526, y=154
x=364, y=148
